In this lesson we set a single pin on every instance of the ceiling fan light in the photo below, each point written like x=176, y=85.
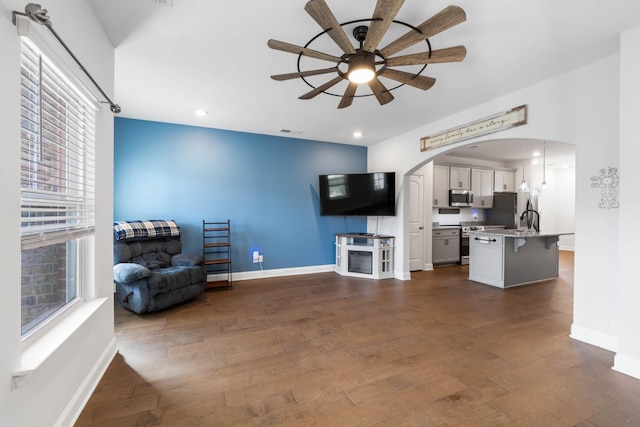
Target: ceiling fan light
x=361, y=68
x=361, y=75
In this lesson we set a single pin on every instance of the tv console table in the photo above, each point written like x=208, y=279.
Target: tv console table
x=364, y=255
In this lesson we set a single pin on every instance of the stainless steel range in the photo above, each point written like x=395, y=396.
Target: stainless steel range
x=464, y=242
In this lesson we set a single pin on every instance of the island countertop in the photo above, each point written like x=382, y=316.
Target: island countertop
x=505, y=258
x=522, y=233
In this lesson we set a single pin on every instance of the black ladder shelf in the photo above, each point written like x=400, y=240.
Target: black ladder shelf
x=216, y=242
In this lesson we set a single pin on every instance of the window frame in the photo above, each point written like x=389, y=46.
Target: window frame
x=84, y=280
x=85, y=239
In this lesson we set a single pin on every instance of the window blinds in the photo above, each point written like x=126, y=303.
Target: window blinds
x=57, y=185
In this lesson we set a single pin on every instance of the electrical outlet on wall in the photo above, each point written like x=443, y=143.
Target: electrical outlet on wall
x=257, y=257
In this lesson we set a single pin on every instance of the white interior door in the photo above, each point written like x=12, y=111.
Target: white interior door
x=416, y=222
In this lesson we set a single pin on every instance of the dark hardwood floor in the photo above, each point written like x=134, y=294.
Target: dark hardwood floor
x=326, y=350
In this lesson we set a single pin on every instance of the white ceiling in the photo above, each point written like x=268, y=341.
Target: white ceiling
x=551, y=154
x=176, y=56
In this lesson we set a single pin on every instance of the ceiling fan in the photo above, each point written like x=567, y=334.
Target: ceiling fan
x=365, y=63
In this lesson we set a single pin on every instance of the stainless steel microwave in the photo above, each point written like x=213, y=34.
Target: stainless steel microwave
x=460, y=198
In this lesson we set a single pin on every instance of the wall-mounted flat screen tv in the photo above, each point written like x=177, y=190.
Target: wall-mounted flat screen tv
x=370, y=194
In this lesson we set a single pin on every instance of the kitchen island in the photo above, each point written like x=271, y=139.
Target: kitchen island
x=505, y=258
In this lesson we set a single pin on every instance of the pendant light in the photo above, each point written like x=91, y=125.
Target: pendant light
x=543, y=186
x=523, y=185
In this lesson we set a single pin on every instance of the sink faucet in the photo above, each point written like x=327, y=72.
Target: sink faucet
x=536, y=224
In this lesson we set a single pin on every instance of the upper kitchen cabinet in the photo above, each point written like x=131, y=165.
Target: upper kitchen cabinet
x=440, y=186
x=459, y=178
x=504, y=181
x=482, y=188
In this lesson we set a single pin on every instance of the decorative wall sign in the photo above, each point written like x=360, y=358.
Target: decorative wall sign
x=496, y=123
x=607, y=182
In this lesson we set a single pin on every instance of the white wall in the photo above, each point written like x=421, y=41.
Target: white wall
x=570, y=108
x=627, y=326
x=55, y=392
x=557, y=204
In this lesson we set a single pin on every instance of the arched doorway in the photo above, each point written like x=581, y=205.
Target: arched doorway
x=542, y=160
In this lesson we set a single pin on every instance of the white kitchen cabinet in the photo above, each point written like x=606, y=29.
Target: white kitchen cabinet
x=482, y=188
x=440, y=186
x=445, y=245
x=504, y=181
x=459, y=178
x=486, y=259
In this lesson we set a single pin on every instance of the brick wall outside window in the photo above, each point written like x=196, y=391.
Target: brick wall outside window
x=44, y=282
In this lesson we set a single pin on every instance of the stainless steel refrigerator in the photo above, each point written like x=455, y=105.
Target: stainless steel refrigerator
x=504, y=210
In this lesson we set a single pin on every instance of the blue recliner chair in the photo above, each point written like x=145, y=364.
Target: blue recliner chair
x=150, y=271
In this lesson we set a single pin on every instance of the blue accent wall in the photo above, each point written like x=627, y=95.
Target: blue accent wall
x=266, y=185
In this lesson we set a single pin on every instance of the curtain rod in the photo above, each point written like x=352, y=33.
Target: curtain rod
x=37, y=14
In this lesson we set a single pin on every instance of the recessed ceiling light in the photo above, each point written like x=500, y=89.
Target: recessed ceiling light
x=536, y=154
x=201, y=113
x=357, y=134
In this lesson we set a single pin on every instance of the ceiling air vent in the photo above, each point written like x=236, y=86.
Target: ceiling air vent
x=291, y=132
x=164, y=2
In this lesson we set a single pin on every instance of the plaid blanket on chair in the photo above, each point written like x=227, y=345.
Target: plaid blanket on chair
x=136, y=229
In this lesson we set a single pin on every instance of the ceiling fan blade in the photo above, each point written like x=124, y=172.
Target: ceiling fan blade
x=385, y=10
x=298, y=50
x=446, y=18
x=382, y=94
x=450, y=54
x=421, y=82
x=321, y=13
x=289, y=76
x=347, y=98
x=321, y=88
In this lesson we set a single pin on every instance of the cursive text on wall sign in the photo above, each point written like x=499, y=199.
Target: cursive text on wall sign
x=498, y=122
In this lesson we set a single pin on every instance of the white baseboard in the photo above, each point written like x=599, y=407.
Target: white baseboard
x=402, y=276
x=279, y=272
x=264, y=274
x=589, y=336
x=73, y=410
x=626, y=365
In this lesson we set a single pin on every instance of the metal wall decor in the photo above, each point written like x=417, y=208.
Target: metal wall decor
x=607, y=182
